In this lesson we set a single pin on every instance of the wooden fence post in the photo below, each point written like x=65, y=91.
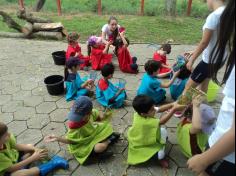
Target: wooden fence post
x=99, y=7
x=59, y=7
x=21, y=3
x=142, y=7
x=189, y=7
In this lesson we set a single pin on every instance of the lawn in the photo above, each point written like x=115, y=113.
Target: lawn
x=156, y=28
x=139, y=29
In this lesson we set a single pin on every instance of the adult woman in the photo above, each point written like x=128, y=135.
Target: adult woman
x=222, y=140
x=110, y=31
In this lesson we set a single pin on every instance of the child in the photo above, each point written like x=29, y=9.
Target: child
x=177, y=88
x=194, y=129
x=146, y=137
x=201, y=75
x=15, y=158
x=74, y=50
x=75, y=86
x=160, y=56
x=108, y=95
x=151, y=85
x=127, y=63
x=87, y=134
x=98, y=53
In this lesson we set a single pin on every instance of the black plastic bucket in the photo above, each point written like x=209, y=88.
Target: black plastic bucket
x=55, y=84
x=59, y=57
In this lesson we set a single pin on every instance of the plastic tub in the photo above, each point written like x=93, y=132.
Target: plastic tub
x=212, y=92
x=55, y=84
x=59, y=57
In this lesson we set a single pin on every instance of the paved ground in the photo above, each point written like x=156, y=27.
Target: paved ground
x=31, y=113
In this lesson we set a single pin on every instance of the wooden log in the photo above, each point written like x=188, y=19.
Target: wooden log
x=53, y=27
x=48, y=35
x=30, y=18
x=13, y=24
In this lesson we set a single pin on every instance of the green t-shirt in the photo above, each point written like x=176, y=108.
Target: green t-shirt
x=144, y=139
x=9, y=156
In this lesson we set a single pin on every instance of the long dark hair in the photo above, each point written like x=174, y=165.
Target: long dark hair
x=119, y=43
x=224, y=50
x=89, y=47
x=116, y=32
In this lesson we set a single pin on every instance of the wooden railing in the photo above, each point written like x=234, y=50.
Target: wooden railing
x=142, y=4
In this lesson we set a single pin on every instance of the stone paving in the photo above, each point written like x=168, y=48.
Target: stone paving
x=31, y=113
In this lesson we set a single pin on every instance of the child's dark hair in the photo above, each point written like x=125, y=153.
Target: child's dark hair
x=3, y=129
x=119, y=43
x=72, y=62
x=189, y=112
x=89, y=47
x=152, y=66
x=143, y=104
x=107, y=70
x=166, y=47
x=72, y=37
x=184, y=73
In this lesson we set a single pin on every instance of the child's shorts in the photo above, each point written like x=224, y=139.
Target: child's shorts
x=201, y=73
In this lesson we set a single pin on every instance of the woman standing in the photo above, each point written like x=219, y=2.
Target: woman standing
x=222, y=140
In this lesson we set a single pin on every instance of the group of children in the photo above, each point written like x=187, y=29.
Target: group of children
x=90, y=133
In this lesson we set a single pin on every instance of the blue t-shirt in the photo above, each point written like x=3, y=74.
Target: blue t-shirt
x=151, y=86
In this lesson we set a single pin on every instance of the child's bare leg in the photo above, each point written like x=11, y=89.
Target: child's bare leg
x=204, y=85
x=26, y=172
x=189, y=85
x=101, y=147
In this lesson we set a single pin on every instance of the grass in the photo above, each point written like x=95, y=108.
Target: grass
x=128, y=7
x=139, y=29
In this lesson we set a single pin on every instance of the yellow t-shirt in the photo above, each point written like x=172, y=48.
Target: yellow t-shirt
x=9, y=156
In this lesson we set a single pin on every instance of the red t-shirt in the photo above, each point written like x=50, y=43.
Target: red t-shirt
x=73, y=51
x=103, y=84
x=160, y=58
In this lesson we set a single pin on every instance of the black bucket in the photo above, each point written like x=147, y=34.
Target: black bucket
x=59, y=57
x=55, y=84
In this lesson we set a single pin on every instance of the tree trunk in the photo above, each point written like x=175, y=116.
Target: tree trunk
x=39, y=5
x=171, y=7
x=14, y=25
x=30, y=18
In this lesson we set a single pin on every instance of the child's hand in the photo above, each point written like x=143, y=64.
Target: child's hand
x=198, y=100
x=40, y=155
x=51, y=138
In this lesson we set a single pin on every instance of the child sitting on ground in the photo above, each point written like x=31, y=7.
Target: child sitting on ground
x=74, y=50
x=195, y=127
x=177, y=88
x=98, y=52
x=75, y=86
x=109, y=95
x=127, y=63
x=87, y=133
x=146, y=137
x=15, y=158
x=151, y=85
x=161, y=56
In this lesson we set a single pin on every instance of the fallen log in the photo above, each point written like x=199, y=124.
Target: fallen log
x=30, y=18
x=52, y=27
